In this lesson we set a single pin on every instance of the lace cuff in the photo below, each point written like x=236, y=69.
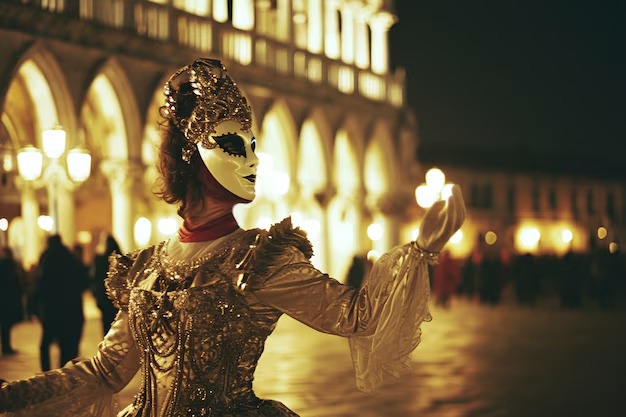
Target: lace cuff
x=385, y=355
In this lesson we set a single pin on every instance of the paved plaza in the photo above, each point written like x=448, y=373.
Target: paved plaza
x=474, y=361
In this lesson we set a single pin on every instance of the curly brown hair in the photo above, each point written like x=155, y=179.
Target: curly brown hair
x=181, y=184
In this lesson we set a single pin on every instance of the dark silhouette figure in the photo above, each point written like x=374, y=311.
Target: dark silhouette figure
x=445, y=279
x=62, y=281
x=571, y=279
x=490, y=289
x=100, y=268
x=11, y=310
x=357, y=271
x=471, y=274
x=526, y=279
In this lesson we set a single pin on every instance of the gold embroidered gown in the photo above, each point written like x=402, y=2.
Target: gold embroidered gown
x=196, y=329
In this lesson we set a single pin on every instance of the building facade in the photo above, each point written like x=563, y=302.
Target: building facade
x=336, y=139
x=537, y=212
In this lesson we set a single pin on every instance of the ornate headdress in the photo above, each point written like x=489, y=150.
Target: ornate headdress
x=217, y=98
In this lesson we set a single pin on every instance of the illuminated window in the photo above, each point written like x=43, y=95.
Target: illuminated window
x=510, y=198
x=197, y=7
x=552, y=199
x=610, y=205
x=573, y=200
x=590, y=206
x=474, y=196
x=536, y=197
x=487, y=197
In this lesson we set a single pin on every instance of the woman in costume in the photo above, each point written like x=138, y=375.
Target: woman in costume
x=195, y=311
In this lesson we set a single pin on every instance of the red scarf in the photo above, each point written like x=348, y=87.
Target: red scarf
x=213, y=228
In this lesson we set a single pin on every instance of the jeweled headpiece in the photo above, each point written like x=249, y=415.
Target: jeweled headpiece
x=217, y=98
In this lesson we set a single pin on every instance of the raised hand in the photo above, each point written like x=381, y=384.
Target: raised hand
x=441, y=221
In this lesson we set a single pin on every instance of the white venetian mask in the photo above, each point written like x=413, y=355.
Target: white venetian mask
x=232, y=162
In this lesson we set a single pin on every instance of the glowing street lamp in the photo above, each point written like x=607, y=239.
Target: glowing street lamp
x=50, y=172
x=434, y=189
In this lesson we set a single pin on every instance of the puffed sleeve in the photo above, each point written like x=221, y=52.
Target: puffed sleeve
x=382, y=320
x=83, y=387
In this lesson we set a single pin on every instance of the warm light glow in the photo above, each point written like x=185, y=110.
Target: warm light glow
x=142, y=231
x=375, y=231
x=491, y=237
x=264, y=223
x=79, y=164
x=446, y=191
x=297, y=219
x=373, y=255
x=435, y=179
x=4, y=224
x=602, y=232
x=53, y=141
x=220, y=10
x=281, y=182
x=270, y=181
x=312, y=227
x=7, y=162
x=84, y=237
x=167, y=226
x=45, y=222
x=567, y=236
x=425, y=196
x=243, y=14
x=29, y=163
x=528, y=238
x=415, y=233
x=613, y=247
x=457, y=237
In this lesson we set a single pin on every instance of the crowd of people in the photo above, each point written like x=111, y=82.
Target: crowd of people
x=52, y=293
x=490, y=276
x=596, y=277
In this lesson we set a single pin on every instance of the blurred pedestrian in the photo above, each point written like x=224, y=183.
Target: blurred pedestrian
x=445, y=279
x=11, y=310
x=357, y=271
x=60, y=290
x=99, y=274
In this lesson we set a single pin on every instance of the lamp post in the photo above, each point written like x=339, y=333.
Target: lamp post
x=51, y=172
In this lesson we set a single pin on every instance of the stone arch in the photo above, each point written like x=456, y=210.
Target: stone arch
x=47, y=87
x=112, y=123
x=345, y=209
x=110, y=82
x=36, y=99
x=380, y=179
x=276, y=149
x=313, y=184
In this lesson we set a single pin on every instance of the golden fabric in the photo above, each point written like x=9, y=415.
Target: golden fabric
x=196, y=333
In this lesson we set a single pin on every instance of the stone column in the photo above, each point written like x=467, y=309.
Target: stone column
x=122, y=177
x=332, y=41
x=379, y=25
x=30, y=212
x=66, y=207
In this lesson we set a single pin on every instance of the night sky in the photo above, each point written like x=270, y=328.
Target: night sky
x=539, y=81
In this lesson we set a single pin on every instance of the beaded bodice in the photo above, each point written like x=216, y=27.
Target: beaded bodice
x=200, y=344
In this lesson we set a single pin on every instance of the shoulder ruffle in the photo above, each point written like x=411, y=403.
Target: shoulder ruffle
x=117, y=282
x=274, y=243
